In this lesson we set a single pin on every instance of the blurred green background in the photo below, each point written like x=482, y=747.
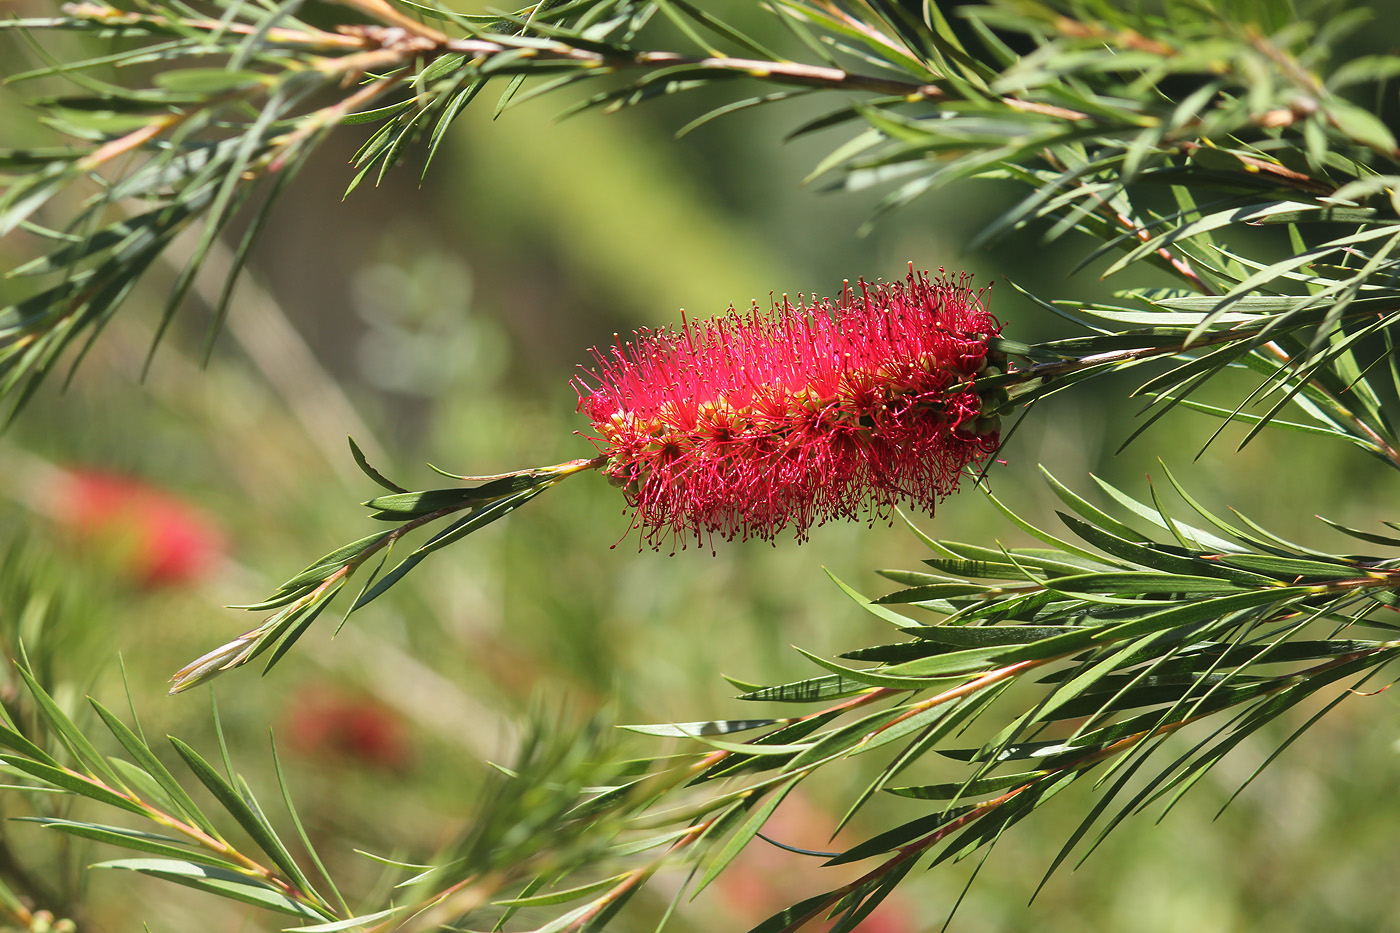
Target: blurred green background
x=438, y=317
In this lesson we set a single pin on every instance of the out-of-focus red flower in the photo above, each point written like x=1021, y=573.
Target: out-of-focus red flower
x=325, y=723
x=744, y=425
x=160, y=539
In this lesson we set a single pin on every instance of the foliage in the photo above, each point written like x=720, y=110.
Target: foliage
x=1223, y=148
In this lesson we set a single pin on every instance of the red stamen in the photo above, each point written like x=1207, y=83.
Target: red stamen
x=745, y=425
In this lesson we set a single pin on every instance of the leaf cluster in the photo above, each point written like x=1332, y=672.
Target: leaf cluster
x=302, y=598
x=1127, y=638
x=90, y=776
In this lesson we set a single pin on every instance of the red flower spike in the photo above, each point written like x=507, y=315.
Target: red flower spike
x=325, y=723
x=163, y=541
x=747, y=424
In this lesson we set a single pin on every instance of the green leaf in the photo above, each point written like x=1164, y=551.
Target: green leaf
x=377, y=114
x=1370, y=537
x=871, y=895
x=370, y=471
x=1185, y=616
x=71, y=736
x=1245, y=418
x=409, y=504
x=151, y=766
x=204, y=81
x=302, y=834
x=735, y=843
x=899, y=836
x=1096, y=516
x=791, y=918
x=1150, y=555
x=934, y=591
x=974, y=788
x=758, y=750
x=1362, y=126
x=479, y=517
x=1203, y=538
x=1285, y=568
x=1244, y=215
x=145, y=788
x=130, y=839
x=568, y=921
x=984, y=636
x=290, y=629
x=219, y=882
x=1140, y=583
x=699, y=729
x=324, y=567
x=911, y=674
x=252, y=821
x=812, y=690
x=562, y=897
x=893, y=618
x=349, y=923
x=895, y=653
x=787, y=735
x=73, y=783
x=933, y=729
x=12, y=739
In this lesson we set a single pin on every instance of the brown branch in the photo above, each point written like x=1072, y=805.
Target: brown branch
x=1279, y=173
x=386, y=12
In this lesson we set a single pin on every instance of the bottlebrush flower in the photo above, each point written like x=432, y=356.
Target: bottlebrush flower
x=161, y=540
x=750, y=423
x=325, y=723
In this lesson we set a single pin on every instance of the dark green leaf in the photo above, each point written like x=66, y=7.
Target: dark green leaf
x=252, y=821
x=152, y=767
x=807, y=691
x=899, y=836
x=74, y=783
x=559, y=897
x=974, y=788
x=71, y=736
x=735, y=843
x=370, y=471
